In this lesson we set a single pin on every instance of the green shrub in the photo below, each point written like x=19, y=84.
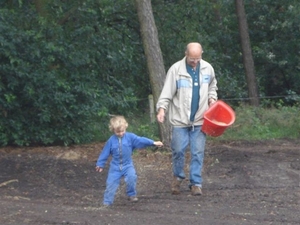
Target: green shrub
x=51, y=85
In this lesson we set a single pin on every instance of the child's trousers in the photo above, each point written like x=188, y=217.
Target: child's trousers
x=114, y=176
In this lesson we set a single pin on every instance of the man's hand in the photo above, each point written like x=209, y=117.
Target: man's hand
x=161, y=115
x=211, y=101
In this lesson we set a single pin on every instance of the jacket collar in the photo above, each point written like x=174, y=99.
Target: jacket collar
x=182, y=66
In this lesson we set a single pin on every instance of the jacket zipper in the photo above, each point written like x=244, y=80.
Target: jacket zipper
x=120, y=153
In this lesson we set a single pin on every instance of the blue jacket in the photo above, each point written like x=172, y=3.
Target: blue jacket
x=121, y=154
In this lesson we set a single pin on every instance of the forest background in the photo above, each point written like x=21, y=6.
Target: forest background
x=66, y=66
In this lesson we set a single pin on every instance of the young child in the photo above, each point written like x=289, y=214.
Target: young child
x=120, y=146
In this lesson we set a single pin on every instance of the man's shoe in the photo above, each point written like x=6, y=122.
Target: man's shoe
x=196, y=190
x=175, y=187
x=133, y=199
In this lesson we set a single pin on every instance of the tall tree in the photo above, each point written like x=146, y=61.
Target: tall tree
x=154, y=57
x=247, y=53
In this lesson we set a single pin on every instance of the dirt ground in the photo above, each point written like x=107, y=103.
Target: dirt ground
x=244, y=183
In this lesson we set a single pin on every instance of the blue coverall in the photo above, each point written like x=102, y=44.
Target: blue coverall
x=121, y=163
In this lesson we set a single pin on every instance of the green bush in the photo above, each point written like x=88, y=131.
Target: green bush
x=42, y=103
x=51, y=86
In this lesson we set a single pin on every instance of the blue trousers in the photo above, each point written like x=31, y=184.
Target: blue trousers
x=181, y=138
x=113, y=181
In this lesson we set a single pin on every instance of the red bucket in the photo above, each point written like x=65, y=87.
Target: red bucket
x=217, y=118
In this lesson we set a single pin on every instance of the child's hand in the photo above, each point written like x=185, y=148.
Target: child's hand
x=158, y=143
x=99, y=169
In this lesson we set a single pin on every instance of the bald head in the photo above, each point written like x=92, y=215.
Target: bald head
x=193, y=47
x=193, y=53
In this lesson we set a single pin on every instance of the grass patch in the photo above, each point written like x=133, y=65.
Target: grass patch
x=257, y=123
x=252, y=123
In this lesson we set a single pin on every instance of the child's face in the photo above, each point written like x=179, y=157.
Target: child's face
x=120, y=132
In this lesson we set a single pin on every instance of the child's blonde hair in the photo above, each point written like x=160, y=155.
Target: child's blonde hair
x=117, y=123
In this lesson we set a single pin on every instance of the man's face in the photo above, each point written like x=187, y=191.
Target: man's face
x=193, y=57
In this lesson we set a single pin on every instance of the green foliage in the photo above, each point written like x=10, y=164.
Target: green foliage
x=258, y=123
x=72, y=63
x=275, y=34
x=141, y=125
x=56, y=79
x=214, y=25
x=252, y=123
x=44, y=97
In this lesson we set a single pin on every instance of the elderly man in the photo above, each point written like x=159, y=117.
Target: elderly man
x=190, y=88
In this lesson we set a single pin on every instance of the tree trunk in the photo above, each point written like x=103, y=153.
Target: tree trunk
x=154, y=58
x=247, y=53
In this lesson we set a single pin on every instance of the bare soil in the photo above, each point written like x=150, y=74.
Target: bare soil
x=244, y=183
